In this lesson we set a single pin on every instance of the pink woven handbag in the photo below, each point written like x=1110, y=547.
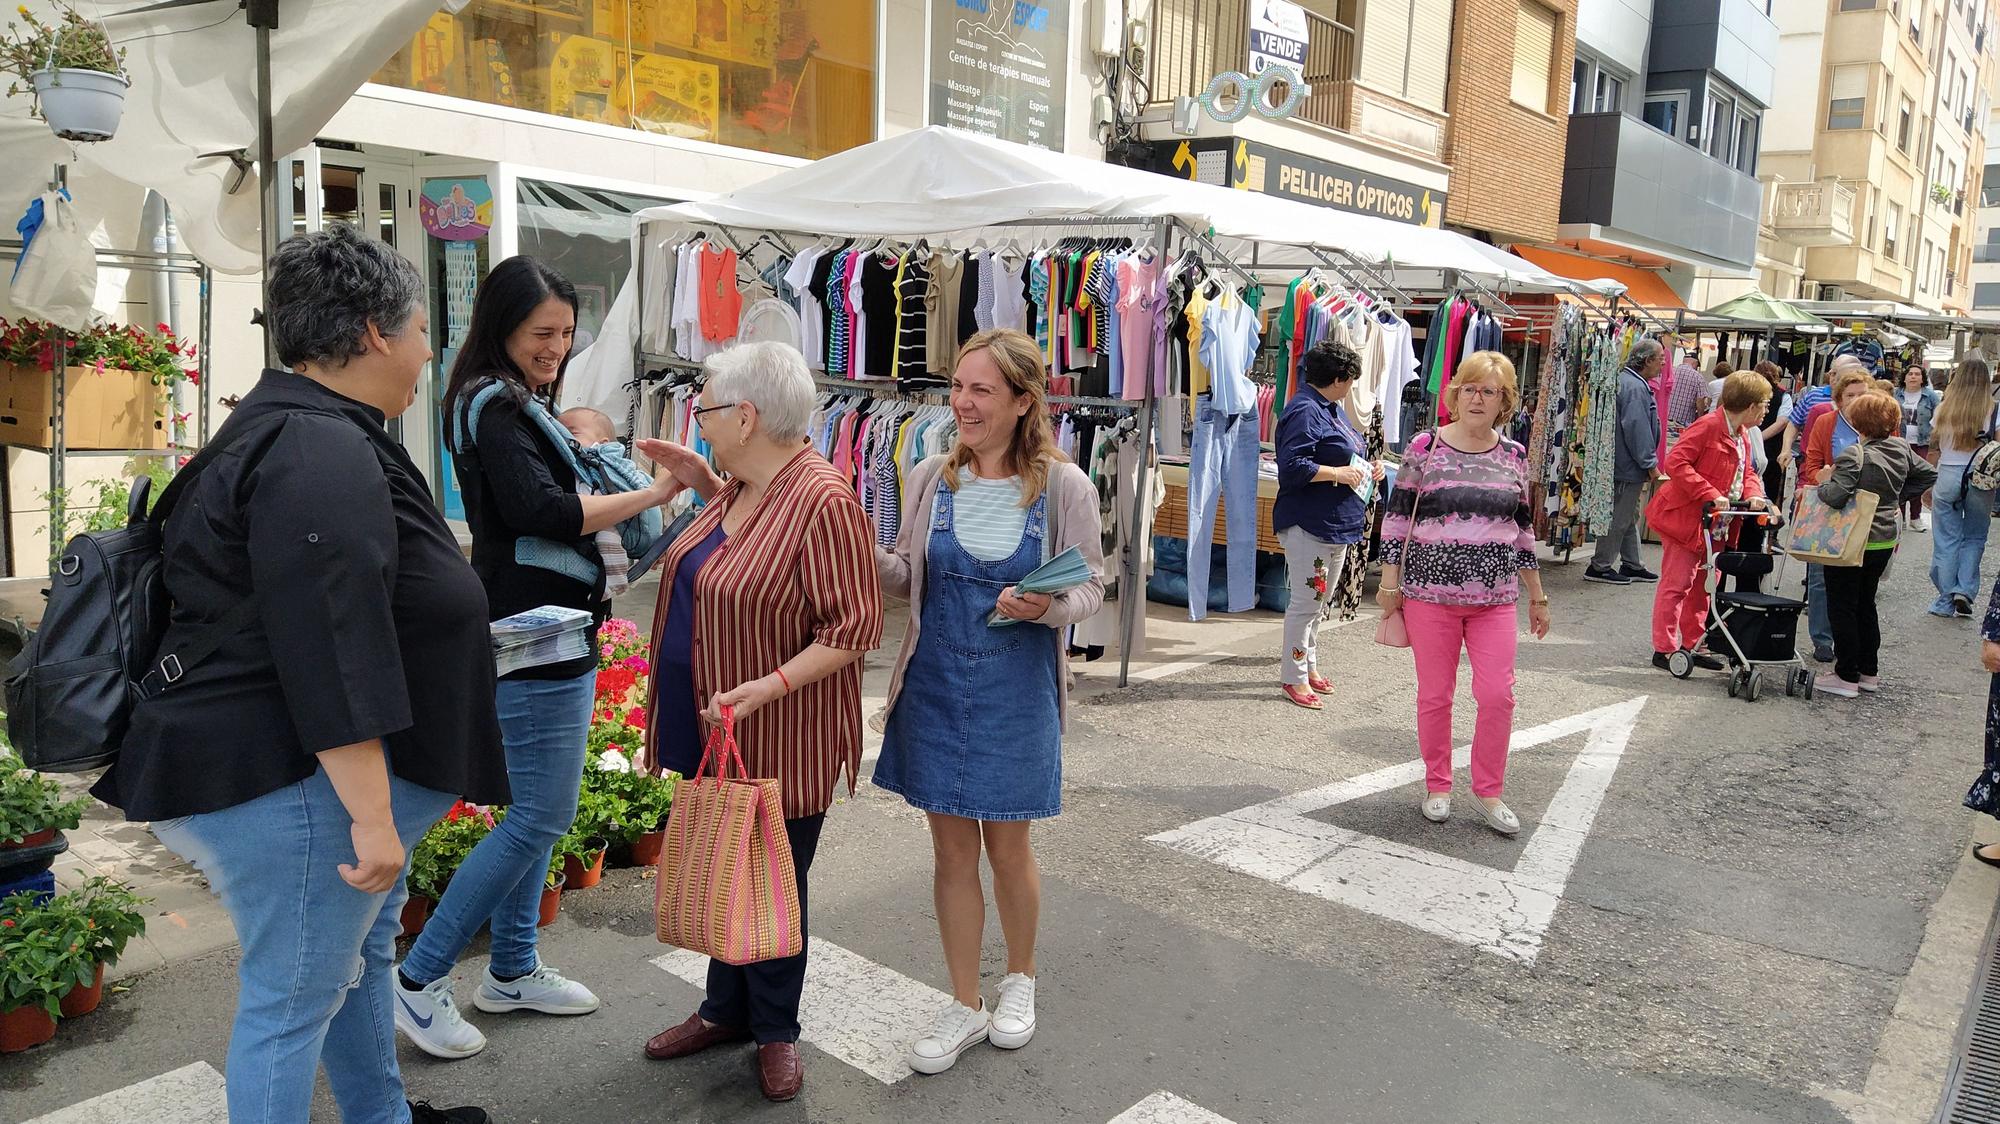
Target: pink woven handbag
x=727, y=888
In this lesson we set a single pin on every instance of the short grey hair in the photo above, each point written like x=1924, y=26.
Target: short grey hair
x=328, y=286
x=771, y=376
x=1643, y=352
x=1848, y=362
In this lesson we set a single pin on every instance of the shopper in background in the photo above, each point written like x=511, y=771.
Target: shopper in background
x=1810, y=398
x=1712, y=468
x=767, y=604
x=1683, y=391
x=1963, y=421
x=1769, y=443
x=1920, y=405
x=1637, y=462
x=1319, y=513
x=1880, y=461
x=299, y=763
x=1711, y=394
x=1829, y=435
x=1458, y=546
x=974, y=738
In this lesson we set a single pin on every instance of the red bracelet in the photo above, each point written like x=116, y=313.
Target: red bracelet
x=780, y=673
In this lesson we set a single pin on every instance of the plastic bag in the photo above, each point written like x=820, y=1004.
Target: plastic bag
x=56, y=279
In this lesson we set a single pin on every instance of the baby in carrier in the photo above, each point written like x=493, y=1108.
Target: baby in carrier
x=598, y=447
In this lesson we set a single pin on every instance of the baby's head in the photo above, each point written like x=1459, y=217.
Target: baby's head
x=588, y=426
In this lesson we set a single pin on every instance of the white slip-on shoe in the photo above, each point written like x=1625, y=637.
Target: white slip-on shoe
x=958, y=1028
x=1013, y=1022
x=429, y=1018
x=1498, y=816
x=544, y=990
x=1437, y=807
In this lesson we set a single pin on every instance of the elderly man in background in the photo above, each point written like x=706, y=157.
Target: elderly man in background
x=1638, y=462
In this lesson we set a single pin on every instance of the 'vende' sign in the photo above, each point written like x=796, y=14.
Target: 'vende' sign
x=1278, y=35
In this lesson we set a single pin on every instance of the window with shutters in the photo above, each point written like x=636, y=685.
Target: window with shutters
x=1847, y=98
x=1906, y=120
x=1534, y=54
x=1406, y=49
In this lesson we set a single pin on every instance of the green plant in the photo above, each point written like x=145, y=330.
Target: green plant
x=109, y=916
x=70, y=43
x=158, y=353
x=108, y=511
x=437, y=856
x=1941, y=192
x=31, y=802
x=598, y=809
x=554, y=878
x=647, y=799
x=41, y=959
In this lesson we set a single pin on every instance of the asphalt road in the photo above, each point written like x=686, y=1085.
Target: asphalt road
x=1711, y=914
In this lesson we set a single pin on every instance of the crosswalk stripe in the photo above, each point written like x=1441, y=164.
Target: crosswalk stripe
x=192, y=1094
x=1165, y=1108
x=853, y=1008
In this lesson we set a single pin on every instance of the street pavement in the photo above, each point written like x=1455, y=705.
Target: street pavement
x=1718, y=911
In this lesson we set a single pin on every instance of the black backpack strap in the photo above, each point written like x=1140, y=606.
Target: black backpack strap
x=168, y=669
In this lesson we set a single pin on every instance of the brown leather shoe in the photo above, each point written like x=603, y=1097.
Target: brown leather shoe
x=691, y=1037
x=778, y=1070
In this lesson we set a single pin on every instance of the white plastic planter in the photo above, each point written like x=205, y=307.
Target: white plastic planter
x=81, y=105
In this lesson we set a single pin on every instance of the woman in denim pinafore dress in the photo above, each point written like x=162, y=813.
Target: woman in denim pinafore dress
x=974, y=735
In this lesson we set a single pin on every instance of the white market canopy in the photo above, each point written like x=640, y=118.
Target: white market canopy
x=938, y=183
x=193, y=104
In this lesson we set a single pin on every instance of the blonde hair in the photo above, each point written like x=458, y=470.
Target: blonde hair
x=1033, y=448
x=1968, y=403
x=1744, y=389
x=1484, y=367
x=1846, y=379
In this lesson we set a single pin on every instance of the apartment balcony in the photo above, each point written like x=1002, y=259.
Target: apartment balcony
x=1813, y=214
x=1195, y=40
x=1636, y=184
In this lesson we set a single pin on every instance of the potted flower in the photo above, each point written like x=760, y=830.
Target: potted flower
x=39, y=963
x=437, y=856
x=77, y=76
x=32, y=808
x=582, y=859
x=641, y=829
x=552, y=889
x=103, y=917
x=118, y=383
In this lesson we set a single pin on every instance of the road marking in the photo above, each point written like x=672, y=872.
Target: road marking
x=853, y=1008
x=192, y=1094
x=1165, y=1108
x=1504, y=912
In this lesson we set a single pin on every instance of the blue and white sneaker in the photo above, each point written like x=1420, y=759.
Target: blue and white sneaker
x=543, y=989
x=429, y=1018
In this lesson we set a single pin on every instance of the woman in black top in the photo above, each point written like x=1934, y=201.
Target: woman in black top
x=532, y=545
x=295, y=764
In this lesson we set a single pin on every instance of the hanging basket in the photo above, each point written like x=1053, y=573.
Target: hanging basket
x=81, y=105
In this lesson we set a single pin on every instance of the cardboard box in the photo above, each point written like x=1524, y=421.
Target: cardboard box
x=581, y=74
x=108, y=409
x=677, y=97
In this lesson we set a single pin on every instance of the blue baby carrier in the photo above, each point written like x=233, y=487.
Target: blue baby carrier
x=599, y=470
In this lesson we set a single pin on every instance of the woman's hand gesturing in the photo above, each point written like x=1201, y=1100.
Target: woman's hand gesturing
x=684, y=467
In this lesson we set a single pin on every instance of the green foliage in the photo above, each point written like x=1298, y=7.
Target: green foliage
x=31, y=802
x=48, y=948
x=107, y=512
x=437, y=856
x=72, y=42
x=646, y=799
x=108, y=915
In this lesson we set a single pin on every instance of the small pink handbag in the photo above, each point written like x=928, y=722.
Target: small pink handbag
x=1393, y=632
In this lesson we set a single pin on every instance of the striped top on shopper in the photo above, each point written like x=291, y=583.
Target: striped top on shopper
x=1475, y=530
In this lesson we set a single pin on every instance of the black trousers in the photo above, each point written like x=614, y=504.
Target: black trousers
x=1850, y=608
x=765, y=996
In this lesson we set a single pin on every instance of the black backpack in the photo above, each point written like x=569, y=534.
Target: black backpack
x=71, y=691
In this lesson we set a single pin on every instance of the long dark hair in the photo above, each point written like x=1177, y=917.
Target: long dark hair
x=510, y=294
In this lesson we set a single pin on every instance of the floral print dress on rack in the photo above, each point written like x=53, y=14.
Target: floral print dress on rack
x=1984, y=796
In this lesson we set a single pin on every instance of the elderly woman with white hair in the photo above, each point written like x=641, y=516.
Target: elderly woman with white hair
x=768, y=601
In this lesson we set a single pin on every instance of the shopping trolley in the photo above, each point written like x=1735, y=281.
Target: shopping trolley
x=1753, y=632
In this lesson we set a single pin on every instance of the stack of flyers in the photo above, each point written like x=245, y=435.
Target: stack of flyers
x=550, y=634
x=1063, y=572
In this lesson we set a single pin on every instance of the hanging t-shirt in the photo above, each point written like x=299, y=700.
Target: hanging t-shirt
x=721, y=300
x=1229, y=340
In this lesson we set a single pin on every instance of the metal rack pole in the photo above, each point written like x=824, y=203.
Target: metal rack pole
x=206, y=362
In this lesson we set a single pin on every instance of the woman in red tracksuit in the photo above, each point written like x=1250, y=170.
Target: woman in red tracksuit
x=1712, y=467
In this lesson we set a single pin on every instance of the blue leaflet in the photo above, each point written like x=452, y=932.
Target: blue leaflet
x=1063, y=572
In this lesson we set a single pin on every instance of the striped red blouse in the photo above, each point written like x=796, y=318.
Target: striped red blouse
x=801, y=569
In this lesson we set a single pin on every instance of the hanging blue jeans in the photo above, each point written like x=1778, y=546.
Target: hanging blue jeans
x=976, y=731
x=1818, y=622
x=546, y=726
x=1222, y=463
x=1961, y=516
x=313, y=986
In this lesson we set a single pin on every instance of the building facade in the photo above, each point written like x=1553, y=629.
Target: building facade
x=1985, y=275
x=1509, y=94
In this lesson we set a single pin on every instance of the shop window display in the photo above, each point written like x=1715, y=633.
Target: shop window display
x=788, y=76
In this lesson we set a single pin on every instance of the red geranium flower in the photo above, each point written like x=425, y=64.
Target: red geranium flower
x=636, y=718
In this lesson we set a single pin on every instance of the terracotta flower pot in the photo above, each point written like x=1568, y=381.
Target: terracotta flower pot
x=416, y=911
x=646, y=849
x=24, y=1027
x=35, y=840
x=82, y=1000
x=577, y=876
x=551, y=903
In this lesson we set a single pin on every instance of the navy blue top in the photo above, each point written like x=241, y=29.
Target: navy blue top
x=1312, y=434
x=675, y=713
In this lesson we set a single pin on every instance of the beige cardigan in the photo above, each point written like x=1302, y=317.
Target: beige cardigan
x=1073, y=522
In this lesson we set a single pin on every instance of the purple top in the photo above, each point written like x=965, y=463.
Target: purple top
x=1475, y=531
x=676, y=715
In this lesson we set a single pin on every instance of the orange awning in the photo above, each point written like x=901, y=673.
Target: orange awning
x=1642, y=286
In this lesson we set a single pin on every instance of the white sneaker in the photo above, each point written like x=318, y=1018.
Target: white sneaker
x=1921, y=523
x=1013, y=1022
x=957, y=1028
x=430, y=1019
x=542, y=990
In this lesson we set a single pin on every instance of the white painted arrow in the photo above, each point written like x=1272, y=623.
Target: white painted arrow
x=1504, y=912
x=1165, y=1108
x=192, y=1094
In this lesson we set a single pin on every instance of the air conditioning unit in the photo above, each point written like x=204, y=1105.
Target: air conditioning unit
x=1832, y=293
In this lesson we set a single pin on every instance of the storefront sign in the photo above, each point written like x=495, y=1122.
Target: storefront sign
x=1278, y=34
x=1250, y=166
x=998, y=67
x=456, y=210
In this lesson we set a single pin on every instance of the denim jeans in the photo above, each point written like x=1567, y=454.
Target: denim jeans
x=1222, y=463
x=545, y=724
x=1961, y=516
x=1818, y=623
x=313, y=984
